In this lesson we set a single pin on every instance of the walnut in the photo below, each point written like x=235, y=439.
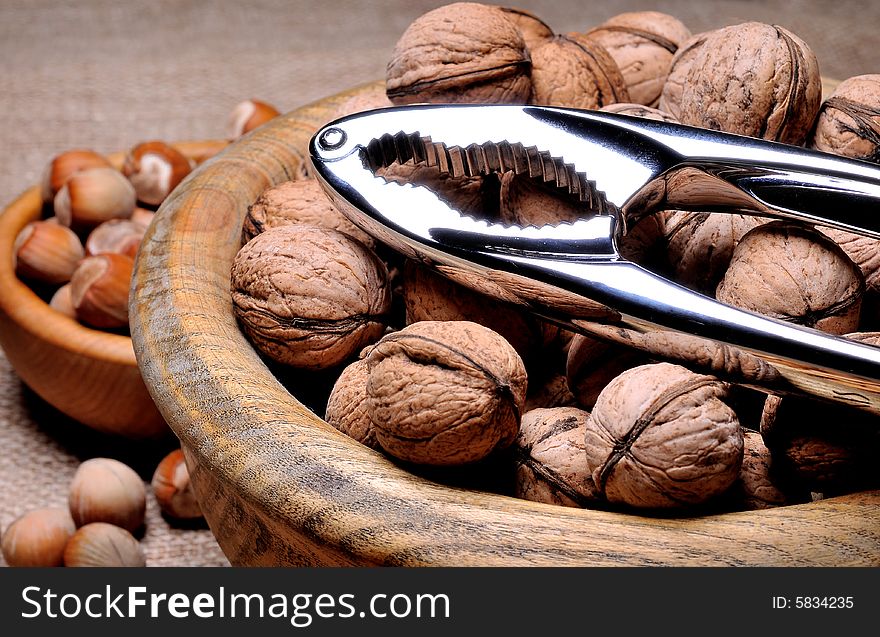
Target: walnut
x=661, y=436
x=461, y=52
x=364, y=100
x=865, y=253
x=593, y=363
x=751, y=79
x=699, y=245
x=794, y=273
x=644, y=242
x=822, y=446
x=576, y=73
x=534, y=30
x=676, y=78
x=639, y=110
x=642, y=43
x=526, y=201
x=429, y=296
x=549, y=390
x=551, y=458
x=848, y=123
x=346, y=406
x=758, y=486
x=298, y=201
x=477, y=196
x=444, y=392
x=309, y=297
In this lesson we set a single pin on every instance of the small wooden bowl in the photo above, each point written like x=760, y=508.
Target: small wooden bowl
x=279, y=486
x=89, y=375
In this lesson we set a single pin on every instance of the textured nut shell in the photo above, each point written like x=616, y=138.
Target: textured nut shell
x=794, y=273
x=309, y=297
x=37, y=538
x=444, y=392
x=155, y=168
x=642, y=43
x=526, y=201
x=548, y=391
x=365, y=100
x=102, y=544
x=99, y=290
x=63, y=165
x=47, y=251
x=864, y=252
x=469, y=195
x=699, y=246
x=346, y=406
x=299, y=201
x=551, y=458
x=753, y=79
x=106, y=490
x=756, y=487
x=592, y=364
x=173, y=489
x=662, y=436
x=677, y=77
x=92, y=196
x=429, y=296
x=534, y=30
x=639, y=110
x=644, y=243
x=576, y=73
x=848, y=123
x=461, y=52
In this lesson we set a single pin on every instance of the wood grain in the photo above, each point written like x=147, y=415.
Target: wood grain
x=90, y=375
x=281, y=487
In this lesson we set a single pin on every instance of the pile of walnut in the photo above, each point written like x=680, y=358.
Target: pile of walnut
x=104, y=517
x=431, y=373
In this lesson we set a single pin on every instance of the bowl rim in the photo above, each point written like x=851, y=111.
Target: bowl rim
x=280, y=486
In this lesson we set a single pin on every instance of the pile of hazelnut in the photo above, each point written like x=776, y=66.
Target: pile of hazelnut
x=107, y=503
x=433, y=374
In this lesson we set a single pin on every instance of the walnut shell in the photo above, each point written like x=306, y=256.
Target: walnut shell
x=593, y=363
x=751, y=79
x=822, y=446
x=795, y=273
x=758, y=486
x=346, y=406
x=534, y=30
x=525, y=201
x=309, y=297
x=848, y=122
x=642, y=43
x=677, y=76
x=661, y=436
x=639, y=110
x=444, y=392
x=461, y=52
x=477, y=196
x=429, y=296
x=298, y=201
x=576, y=73
x=699, y=245
x=551, y=459
x=549, y=391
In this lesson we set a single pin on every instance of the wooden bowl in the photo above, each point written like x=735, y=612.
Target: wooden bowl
x=279, y=486
x=89, y=375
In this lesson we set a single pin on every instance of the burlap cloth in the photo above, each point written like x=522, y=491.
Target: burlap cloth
x=105, y=74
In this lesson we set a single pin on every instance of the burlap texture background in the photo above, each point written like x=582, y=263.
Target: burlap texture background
x=105, y=74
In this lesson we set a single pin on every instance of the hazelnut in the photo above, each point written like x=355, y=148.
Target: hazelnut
x=173, y=489
x=551, y=458
x=750, y=79
x=794, y=273
x=577, y=73
x=642, y=43
x=848, y=123
x=155, y=168
x=300, y=201
x=103, y=544
x=460, y=52
x=142, y=216
x=248, y=115
x=107, y=490
x=661, y=436
x=120, y=236
x=99, y=290
x=38, y=537
x=47, y=251
x=309, y=297
x=92, y=196
x=346, y=406
x=64, y=165
x=61, y=301
x=444, y=392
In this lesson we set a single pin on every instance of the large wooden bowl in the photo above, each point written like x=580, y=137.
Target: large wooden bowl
x=281, y=487
x=90, y=375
